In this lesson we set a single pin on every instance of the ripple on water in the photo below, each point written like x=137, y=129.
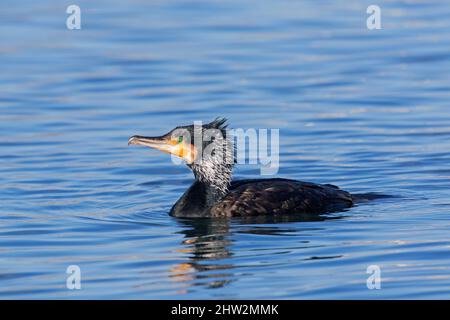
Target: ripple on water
x=367, y=110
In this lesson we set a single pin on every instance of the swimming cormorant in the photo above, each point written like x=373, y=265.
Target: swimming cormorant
x=213, y=194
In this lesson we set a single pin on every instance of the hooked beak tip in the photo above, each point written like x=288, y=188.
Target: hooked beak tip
x=132, y=140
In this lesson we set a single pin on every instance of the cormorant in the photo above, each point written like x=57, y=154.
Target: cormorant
x=213, y=194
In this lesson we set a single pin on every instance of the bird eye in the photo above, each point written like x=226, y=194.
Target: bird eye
x=180, y=139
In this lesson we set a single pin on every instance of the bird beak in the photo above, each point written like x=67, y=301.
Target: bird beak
x=167, y=145
x=159, y=143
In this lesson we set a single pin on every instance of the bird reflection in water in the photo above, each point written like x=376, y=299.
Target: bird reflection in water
x=208, y=243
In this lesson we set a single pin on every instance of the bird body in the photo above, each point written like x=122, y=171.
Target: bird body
x=256, y=197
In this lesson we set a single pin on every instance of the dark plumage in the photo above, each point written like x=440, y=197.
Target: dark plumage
x=280, y=196
x=262, y=197
x=214, y=195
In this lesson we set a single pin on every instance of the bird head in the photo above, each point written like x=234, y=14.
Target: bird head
x=206, y=149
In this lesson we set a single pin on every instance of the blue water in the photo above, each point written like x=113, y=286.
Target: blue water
x=367, y=110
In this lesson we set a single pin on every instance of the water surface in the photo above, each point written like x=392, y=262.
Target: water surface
x=367, y=110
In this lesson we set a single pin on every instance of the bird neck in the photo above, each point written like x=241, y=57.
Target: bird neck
x=216, y=178
x=196, y=201
x=214, y=169
x=212, y=179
